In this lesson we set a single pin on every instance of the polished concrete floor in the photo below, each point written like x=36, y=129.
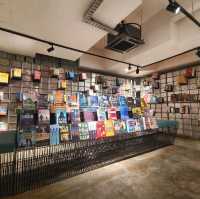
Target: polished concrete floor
x=171, y=172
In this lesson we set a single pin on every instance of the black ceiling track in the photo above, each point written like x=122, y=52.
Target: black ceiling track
x=64, y=47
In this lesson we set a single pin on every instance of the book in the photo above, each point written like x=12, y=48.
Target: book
x=3, y=126
x=92, y=129
x=130, y=125
x=74, y=131
x=74, y=115
x=16, y=73
x=27, y=119
x=122, y=101
x=117, y=126
x=83, y=130
x=61, y=116
x=25, y=139
x=123, y=128
x=103, y=101
x=42, y=101
x=83, y=102
x=93, y=101
x=109, y=128
x=59, y=97
x=43, y=116
x=54, y=134
x=113, y=101
x=3, y=110
x=4, y=77
x=101, y=114
x=112, y=113
x=124, y=112
x=1, y=96
x=100, y=130
x=64, y=133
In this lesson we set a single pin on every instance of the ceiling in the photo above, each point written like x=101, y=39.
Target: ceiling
x=61, y=21
x=164, y=33
x=58, y=21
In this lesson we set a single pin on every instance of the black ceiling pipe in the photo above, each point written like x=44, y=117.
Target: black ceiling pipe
x=175, y=7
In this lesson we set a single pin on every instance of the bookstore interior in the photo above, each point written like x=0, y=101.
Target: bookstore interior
x=65, y=110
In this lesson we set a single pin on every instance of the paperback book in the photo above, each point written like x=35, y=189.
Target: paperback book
x=54, y=134
x=109, y=128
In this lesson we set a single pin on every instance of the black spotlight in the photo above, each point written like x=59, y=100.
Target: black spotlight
x=198, y=52
x=173, y=7
x=50, y=49
x=129, y=67
x=137, y=70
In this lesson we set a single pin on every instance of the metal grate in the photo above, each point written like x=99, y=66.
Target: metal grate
x=32, y=168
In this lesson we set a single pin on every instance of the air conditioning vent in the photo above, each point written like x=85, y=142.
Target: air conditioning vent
x=129, y=37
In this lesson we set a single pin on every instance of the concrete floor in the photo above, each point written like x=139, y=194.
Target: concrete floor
x=172, y=173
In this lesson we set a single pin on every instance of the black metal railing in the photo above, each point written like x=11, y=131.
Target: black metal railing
x=27, y=169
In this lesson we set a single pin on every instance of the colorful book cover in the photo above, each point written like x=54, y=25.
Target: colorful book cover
x=26, y=138
x=112, y=113
x=113, y=101
x=74, y=115
x=3, y=126
x=4, y=77
x=93, y=101
x=28, y=102
x=100, y=130
x=59, y=97
x=83, y=102
x=54, y=134
x=43, y=116
x=84, y=131
x=27, y=119
x=3, y=110
x=64, y=133
x=103, y=101
x=42, y=101
x=123, y=128
x=124, y=112
x=122, y=101
x=61, y=116
x=74, y=131
x=130, y=125
x=101, y=114
x=73, y=100
x=137, y=125
x=117, y=126
x=109, y=128
x=92, y=129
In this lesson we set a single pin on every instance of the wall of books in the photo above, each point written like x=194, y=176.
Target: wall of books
x=51, y=103
x=175, y=96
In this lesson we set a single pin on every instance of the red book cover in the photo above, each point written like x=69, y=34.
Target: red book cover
x=100, y=130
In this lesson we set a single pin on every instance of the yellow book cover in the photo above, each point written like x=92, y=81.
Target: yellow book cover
x=4, y=78
x=109, y=128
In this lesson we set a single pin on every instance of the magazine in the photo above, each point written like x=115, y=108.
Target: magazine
x=43, y=116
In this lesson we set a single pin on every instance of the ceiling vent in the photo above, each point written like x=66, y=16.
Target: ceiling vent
x=128, y=38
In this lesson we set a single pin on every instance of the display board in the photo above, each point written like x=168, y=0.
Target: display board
x=48, y=103
x=175, y=96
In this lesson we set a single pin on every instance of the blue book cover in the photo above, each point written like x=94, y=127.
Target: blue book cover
x=124, y=112
x=61, y=116
x=54, y=134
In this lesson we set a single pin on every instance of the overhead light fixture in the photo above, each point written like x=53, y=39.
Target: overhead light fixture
x=50, y=49
x=175, y=7
x=129, y=67
x=137, y=70
x=198, y=52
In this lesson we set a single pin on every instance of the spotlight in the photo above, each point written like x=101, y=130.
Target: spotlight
x=198, y=52
x=50, y=49
x=173, y=7
x=137, y=70
x=129, y=67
